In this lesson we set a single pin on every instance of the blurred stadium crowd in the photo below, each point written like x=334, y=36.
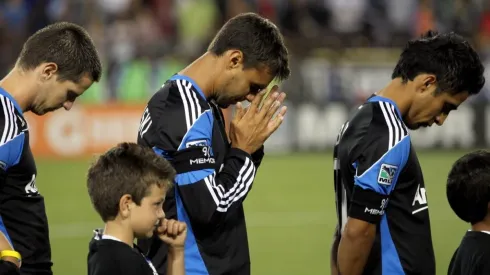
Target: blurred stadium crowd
x=340, y=52
x=148, y=40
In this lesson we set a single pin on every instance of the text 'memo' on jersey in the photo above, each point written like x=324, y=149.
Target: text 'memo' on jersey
x=212, y=179
x=22, y=212
x=378, y=179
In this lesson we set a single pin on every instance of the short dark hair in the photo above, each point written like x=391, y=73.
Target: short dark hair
x=258, y=39
x=448, y=56
x=468, y=186
x=129, y=169
x=66, y=44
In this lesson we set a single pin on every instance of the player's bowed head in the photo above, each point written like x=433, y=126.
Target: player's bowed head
x=57, y=64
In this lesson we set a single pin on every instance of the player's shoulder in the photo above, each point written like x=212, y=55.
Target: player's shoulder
x=179, y=93
x=380, y=117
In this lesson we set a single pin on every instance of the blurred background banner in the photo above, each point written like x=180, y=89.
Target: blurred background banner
x=341, y=51
x=85, y=131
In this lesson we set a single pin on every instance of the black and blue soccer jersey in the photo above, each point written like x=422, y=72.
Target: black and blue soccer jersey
x=23, y=216
x=378, y=179
x=212, y=179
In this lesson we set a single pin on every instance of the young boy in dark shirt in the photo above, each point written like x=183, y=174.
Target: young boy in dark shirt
x=468, y=193
x=127, y=187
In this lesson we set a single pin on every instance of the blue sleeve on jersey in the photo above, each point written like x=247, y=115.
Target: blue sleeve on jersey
x=11, y=151
x=382, y=176
x=199, y=135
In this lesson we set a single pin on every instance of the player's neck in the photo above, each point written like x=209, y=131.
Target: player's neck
x=21, y=93
x=120, y=231
x=203, y=72
x=482, y=226
x=402, y=99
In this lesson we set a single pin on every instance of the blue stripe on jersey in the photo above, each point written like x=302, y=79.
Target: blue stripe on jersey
x=192, y=177
x=194, y=264
x=200, y=133
x=7, y=95
x=384, y=99
x=3, y=229
x=11, y=151
x=186, y=78
x=381, y=177
x=390, y=261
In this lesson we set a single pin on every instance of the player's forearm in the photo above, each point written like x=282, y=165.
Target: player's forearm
x=333, y=255
x=175, y=263
x=354, y=249
x=5, y=245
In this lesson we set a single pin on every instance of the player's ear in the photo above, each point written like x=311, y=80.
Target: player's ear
x=235, y=59
x=125, y=205
x=48, y=70
x=425, y=83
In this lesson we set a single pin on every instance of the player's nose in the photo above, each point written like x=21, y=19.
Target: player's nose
x=161, y=214
x=67, y=105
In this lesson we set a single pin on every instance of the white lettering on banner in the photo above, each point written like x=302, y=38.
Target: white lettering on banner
x=318, y=128
x=71, y=133
x=456, y=131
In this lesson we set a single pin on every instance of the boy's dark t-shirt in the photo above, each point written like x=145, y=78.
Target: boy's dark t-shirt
x=472, y=256
x=108, y=256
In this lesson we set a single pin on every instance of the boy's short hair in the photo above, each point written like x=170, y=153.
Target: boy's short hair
x=129, y=169
x=468, y=186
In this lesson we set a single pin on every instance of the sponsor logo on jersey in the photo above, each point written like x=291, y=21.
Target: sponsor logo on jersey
x=387, y=174
x=419, y=200
x=374, y=211
x=206, y=157
x=31, y=188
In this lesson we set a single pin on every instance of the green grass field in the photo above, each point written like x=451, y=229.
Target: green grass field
x=290, y=213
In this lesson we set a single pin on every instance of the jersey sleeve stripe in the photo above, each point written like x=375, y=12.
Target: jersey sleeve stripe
x=192, y=108
x=403, y=129
x=145, y=122
x=390, y=127
x=15, y=129
x=396, y=127
x=192, y=103
x=239, y=189
x=186, y=106
x=10, y=126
